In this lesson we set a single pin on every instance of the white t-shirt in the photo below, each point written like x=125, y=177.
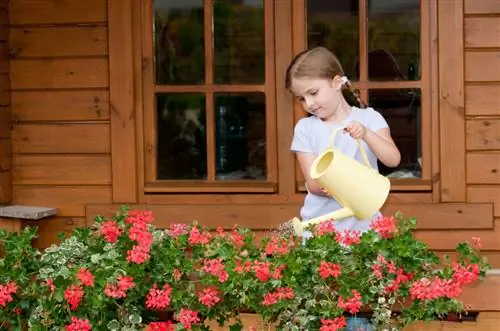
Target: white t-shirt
x=311, y=135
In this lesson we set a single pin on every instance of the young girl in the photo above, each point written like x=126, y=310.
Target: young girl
x=316, y=78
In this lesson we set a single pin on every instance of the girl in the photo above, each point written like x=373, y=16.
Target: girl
x=317, y=79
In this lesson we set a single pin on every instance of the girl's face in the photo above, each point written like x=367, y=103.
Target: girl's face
x=319, y=97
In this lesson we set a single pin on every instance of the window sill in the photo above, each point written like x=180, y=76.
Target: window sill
x=203, y=186
x=398, y=185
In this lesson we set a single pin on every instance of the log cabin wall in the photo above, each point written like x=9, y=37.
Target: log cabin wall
x=60, y=109
x=5, y=116
x=73, y=102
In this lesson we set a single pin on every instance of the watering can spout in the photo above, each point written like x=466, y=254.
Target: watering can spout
x=299, y=226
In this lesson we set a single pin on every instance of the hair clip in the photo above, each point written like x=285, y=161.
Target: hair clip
x=344, y=80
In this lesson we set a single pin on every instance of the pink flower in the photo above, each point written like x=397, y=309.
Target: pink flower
x=209, y=296
x=327, y=269
x=187, y=318
x=384, y=226
x=78, y=324
x=85, y=277
x=110, y=231
x=157, y=298
x=332, y=324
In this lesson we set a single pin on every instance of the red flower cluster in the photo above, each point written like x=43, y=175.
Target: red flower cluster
x=353, y=304
x=78, y=324
x=139, y=233
x=327, y=269
x=6, y=292
x=209, y=296
x=425, y=289
x=384, y=226
x=332, y=324
x=157, y=298
x=160, y=326
x=281, y=293
x=187, y=318
x=119, y=290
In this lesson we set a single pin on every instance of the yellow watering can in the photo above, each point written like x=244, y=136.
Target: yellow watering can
x=359, y=189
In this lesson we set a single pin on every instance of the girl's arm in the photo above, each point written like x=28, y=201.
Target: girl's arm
x=383, y=146
x=305, y=162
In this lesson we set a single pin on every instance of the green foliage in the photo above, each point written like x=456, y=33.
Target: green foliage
x=187, y=270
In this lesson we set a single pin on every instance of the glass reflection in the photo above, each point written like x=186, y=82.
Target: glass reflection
x=179, y=42
x=402, y=110
x=335, y=25
x=393, y=40
x=240, y=136
x=239, y=42
x=181, y=151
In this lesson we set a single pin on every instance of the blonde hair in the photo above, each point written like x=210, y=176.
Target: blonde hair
x=319, y=62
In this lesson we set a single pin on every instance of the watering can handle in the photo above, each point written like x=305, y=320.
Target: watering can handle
x=361, y=148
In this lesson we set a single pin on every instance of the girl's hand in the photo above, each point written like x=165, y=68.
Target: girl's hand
x=356, y=130
x=326, y=193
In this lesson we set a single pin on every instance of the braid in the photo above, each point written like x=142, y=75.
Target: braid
x=351, y=96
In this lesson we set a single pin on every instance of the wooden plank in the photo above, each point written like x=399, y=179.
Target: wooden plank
x=483, y=168
x=4, y=57
x=121, y=96
x=57, y=12
x=58, y=41
x=446, y=215
x=451, y=101
x=5, y=187
x=482, y=66
x=482, y=32
x=5, y=122
x=61, y=138
x=485, y=194
x=482, y=7
x=249, y=199
x=4, y=90
x=61, y=170
x=5, y=154
x=69, y=200
x=59, y=73
x=265, y=216
x=49, y=229
x=86, y=105
x=446, y=239
x=482, y=100
x=483, y=134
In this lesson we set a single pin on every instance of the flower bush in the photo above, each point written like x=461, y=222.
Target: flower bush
x=124, y=274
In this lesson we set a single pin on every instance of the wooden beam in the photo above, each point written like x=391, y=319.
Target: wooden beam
x=266, y=216
x=451, y=100
x=121, y=95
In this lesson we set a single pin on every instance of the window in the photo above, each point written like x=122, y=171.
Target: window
x=385, y=51
x=209, y=95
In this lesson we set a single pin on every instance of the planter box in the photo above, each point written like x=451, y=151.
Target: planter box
x=486, y=321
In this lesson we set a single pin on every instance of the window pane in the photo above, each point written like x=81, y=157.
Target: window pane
x=394, y=40
x=401, y=109
x=335, y=25
x=181, y=152
x=240, y=136
x=239, y=42
x=179, y=42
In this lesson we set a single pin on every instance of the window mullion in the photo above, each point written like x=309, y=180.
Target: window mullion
x=363, y=47
x=209, y=79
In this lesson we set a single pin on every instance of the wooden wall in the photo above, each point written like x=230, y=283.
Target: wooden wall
x=5, y=140
x=61, y=133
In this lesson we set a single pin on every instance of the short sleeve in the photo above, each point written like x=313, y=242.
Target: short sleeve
x=301, y=140
x=375, y=121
